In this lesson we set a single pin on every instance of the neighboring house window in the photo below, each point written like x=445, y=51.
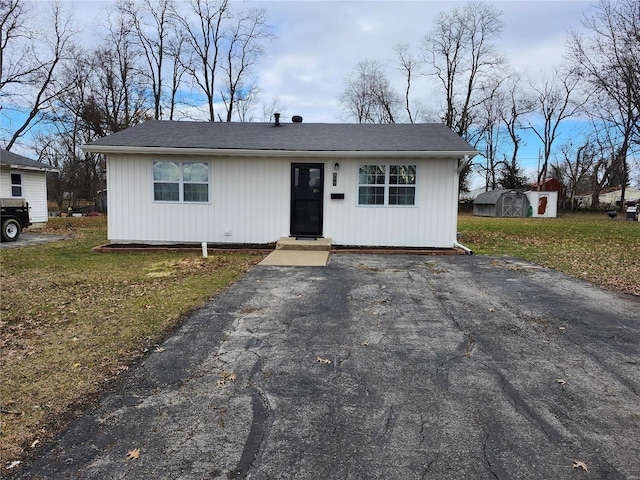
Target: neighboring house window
x=16, y=185
x=387, y=185
x=181, y=182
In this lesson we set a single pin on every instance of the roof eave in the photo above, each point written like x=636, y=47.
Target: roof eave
x=28, y=167
x=106, y=149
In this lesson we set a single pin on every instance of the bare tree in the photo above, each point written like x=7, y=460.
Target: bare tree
x=223, y=43
x=15, y=51
x=515, y=106
x=244, y=50
x=462, y=56
x=176, y=51
x=274, y=106
x=368, y=97
x=204, y=37
x=28, y=80
x=411, y=67
x=152, y=28
x=555, y=102
x=608, y=58
x=492, y=132
x=120, y=95
x=575, y=164
x=605, y=148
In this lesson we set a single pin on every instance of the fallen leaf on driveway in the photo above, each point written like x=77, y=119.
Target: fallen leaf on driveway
x=133, y=454
x=227, y=377
x=323, y=360
x=579, y=464
x=492, y=309
x=561, y=381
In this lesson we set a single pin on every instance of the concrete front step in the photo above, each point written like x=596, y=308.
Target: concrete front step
x=292, y=243
x=296, y=258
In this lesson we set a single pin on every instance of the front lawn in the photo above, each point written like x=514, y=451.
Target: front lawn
x=72, y=320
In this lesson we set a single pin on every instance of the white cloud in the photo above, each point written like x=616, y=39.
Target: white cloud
x=320, y=42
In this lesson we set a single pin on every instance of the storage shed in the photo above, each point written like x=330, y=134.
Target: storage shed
x=543, y=204
x=358, y=184
x=501, y=203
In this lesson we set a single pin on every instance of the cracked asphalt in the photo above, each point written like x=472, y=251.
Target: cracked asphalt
x=378, y=367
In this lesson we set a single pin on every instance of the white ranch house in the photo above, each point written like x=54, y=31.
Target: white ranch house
x=252, y=183
x=23, y=178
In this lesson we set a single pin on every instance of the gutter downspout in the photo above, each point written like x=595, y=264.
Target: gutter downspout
x=467, y=250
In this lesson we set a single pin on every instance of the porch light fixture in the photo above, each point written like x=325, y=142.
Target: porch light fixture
x=336, y=166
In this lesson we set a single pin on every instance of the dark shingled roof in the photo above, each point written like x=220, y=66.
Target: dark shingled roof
x=15, y=160
x=309, y=137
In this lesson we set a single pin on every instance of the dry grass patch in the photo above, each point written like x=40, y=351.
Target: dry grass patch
x=72, y=320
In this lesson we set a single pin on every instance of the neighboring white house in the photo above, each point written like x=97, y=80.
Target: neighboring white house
x=252, y=183
x=608, y=198
x=21, y=177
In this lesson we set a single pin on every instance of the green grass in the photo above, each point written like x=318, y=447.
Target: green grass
x=588, y=246
x=72, y=320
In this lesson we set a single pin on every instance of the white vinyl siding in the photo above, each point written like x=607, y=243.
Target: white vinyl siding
x=250, y=202
x=432, y=222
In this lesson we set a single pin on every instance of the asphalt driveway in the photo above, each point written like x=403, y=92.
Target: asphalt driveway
x=378, y=367
x=27, y=239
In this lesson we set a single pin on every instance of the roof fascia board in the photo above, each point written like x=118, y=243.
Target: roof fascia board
x=26, y=167
x=270, y=153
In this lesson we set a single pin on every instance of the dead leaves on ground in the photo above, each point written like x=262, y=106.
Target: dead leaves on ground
x=579, y=464
x=323, y=360
x=227, y=378
x=133, y=454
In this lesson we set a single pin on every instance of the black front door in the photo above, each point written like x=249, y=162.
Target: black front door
x=307, y=182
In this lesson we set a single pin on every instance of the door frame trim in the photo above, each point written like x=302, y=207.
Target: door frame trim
x=295, y=165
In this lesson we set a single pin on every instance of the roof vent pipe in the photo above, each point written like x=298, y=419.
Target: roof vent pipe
x=277, y=117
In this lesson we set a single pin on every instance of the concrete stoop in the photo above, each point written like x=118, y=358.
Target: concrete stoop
x=299, y=252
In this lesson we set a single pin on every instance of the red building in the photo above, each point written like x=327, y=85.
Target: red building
x=550, y=185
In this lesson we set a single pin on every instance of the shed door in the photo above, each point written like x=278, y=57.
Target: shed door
x=307, y=185
x=513, y=206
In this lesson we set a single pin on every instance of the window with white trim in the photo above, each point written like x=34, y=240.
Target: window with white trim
x=16, y=185
x=181, y=182
x=387, y=185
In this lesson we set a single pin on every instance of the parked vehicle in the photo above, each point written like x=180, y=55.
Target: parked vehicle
x=14, y=216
